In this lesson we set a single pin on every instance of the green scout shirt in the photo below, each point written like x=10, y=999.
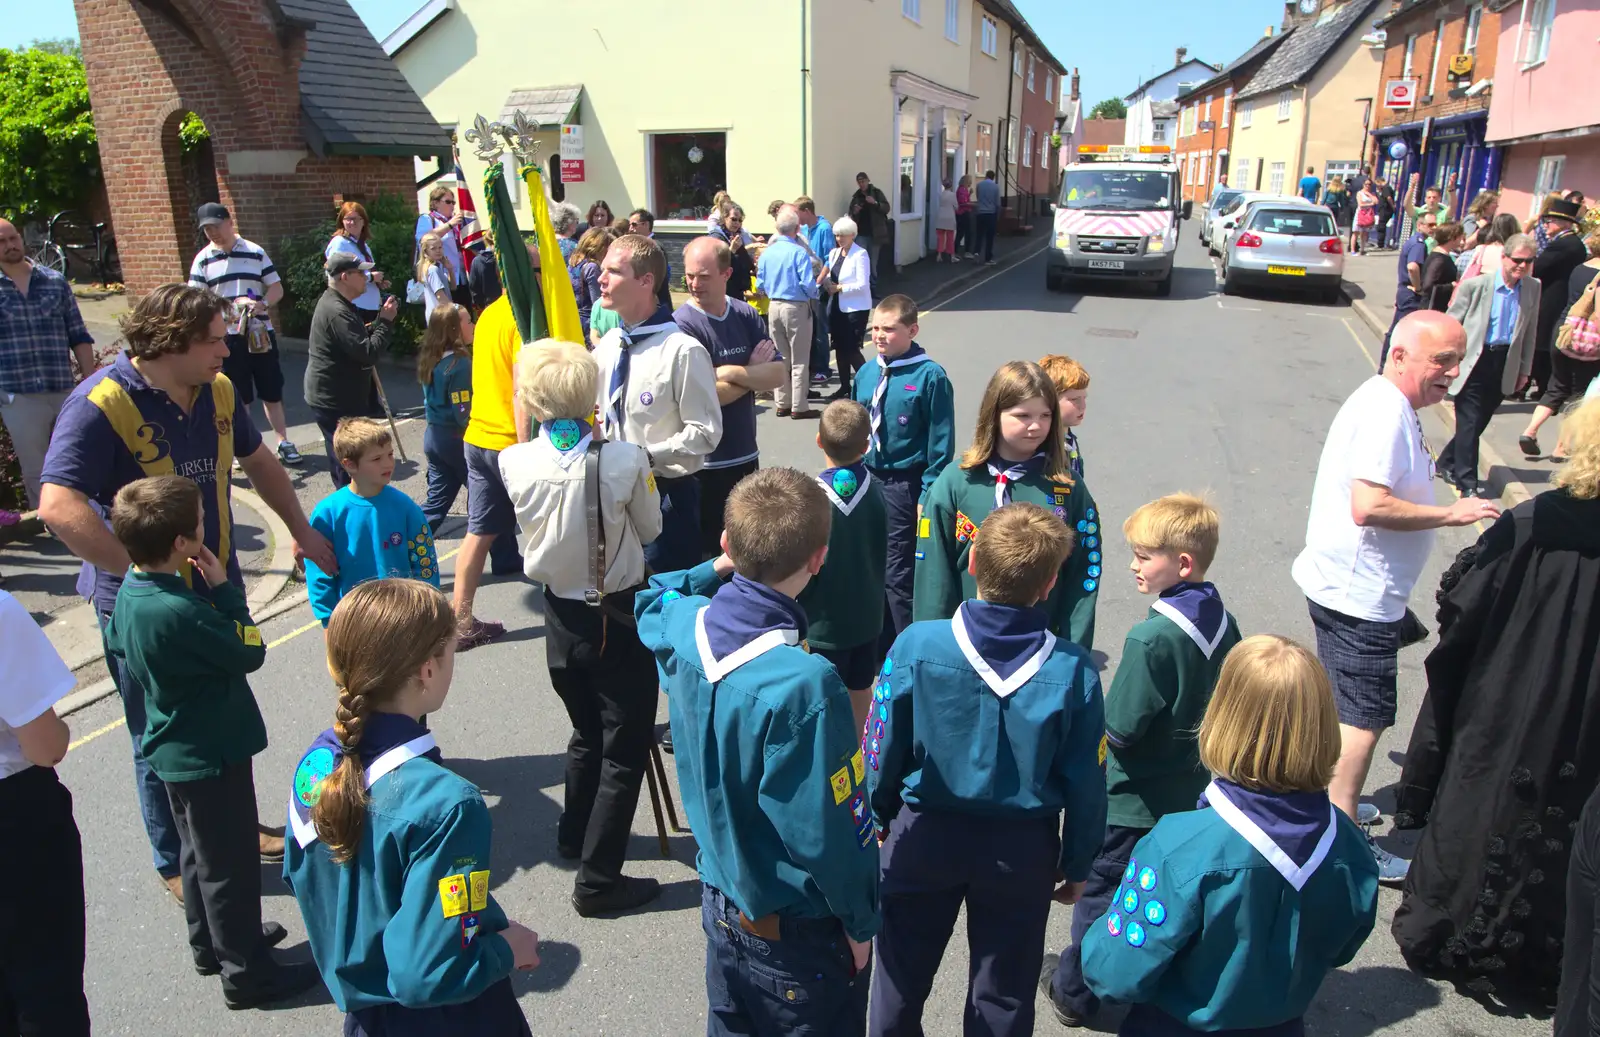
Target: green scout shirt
x=1153, y=713
x=190, y=656
x=844, y=604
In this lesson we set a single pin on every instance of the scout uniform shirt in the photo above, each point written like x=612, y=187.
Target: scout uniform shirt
x=844, y=603
x=955, y=508
x=913, y=414
x=771, y=770
x=657, y=388
x=1229, y=917
x=1157, y=699
x=373, y=538
x=989, y=713
x=410, y=918
x=190, y=656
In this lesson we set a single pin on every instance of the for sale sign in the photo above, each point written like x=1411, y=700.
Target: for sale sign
x=571, y=153
x=1398, y=93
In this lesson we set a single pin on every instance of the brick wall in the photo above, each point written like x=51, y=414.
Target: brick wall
x=233, y=63
x=1423, y=22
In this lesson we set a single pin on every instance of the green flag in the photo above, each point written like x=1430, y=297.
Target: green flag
x=516, y=270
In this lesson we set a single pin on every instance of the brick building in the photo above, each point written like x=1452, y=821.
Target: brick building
x=1442, y=54
x=1205, y=120
x=303, y=106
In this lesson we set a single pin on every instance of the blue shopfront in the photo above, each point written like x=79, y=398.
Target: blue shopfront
x=1437, y=148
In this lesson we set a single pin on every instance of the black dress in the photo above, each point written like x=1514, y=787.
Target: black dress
x=1570, y=378
x=1505, y=751
x=1553, y=269
x=1438, y=280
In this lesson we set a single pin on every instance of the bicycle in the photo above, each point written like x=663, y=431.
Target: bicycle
x=68, y=239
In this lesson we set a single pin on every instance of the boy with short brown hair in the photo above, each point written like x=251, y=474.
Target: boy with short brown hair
x=1072, y=395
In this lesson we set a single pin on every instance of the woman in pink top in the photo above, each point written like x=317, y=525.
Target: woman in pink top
x=966, y=222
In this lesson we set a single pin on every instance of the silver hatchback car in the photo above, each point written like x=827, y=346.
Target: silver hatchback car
x=1283, y=243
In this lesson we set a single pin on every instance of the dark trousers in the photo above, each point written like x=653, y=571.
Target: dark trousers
x=848, y=330
x=804, y=982
x=1579, y=999
x=606, y=678
x=988, y=225
x=1068, y=989
x=1150, y=1021
x=328, y=421
x=678, y=546
x=1004, y=870
x=819, y=337
x=446, y=452
x=966, y=233
x=900, y=493
x=493, y=1013
x=221, y=867
x=715, y=485
x=154, y=809
x=1476, y=402
x=1406, y=302
x=42, y=936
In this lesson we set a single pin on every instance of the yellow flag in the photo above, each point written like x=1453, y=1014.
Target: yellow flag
x=560, y=304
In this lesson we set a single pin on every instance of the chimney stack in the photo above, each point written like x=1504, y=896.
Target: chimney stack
x=1183, y=52
x=1074, y=83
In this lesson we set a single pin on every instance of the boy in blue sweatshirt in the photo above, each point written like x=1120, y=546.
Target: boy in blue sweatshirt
x=771, y=770
x=985, y=730
x=376, y=531
x=912, y=410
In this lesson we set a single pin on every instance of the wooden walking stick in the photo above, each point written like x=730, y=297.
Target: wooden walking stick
x=384, y=400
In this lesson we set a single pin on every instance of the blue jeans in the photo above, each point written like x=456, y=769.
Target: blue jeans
x=1067, y=989
x=678, y=546
x=153, y=804
x=446, y=452
x=802, y=983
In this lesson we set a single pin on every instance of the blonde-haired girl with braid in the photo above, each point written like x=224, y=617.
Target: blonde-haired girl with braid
x=389, y=850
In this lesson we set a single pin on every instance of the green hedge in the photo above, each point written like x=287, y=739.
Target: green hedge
x=300, y=261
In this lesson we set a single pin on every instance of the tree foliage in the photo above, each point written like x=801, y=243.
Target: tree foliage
x=192, y=132
x=1110, y=108
x=47, y=141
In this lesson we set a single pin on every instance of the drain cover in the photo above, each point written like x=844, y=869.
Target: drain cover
x=1113, y=333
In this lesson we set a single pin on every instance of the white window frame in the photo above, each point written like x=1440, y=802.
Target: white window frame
x=1027, y=148
x=919, y=172
x=952, y=20
x=1241, y=171
x=1469, y=43
x=1411, y=53
x=1551, y=169
x=989, y=37
x=1538, y=24
x=1227, y=106
x=1438, y=50
x=1207, y=117
x=1011, y=143
x=1031, y=63
x=912, y=9
x=1016, y=63
x=983, y=160
x=1049, y=84
x=1246, y=111
x=1158, y=131
x=1275, y=175
x=1044, y=151
x=1285, y=104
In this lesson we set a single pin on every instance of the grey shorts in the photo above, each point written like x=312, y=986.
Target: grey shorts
x=1362, y=657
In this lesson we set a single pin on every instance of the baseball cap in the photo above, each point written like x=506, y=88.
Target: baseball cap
x=212, y=213
x=343, y=263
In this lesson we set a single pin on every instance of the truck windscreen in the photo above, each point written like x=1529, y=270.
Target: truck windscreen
x=1118, y=189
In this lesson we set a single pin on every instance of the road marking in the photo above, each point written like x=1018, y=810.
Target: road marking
x=979, y=284
x=290, y=636
x=1237, y=309
x=1359, y=344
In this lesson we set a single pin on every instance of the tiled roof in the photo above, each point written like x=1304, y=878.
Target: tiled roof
x=353, y=99
x=1307, y=48
x=545, y=105
x=1007, y=10
x=1142, y=87
x=1258, y=52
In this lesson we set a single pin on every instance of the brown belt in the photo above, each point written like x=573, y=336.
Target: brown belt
x=765, y=927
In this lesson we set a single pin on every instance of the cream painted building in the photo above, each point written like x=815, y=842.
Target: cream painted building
x=1307, y=105
x=812, y=94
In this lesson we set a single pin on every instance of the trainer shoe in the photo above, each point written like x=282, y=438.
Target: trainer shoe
x=1367, y=814
x=8, y=518
x=287, y=453
x=1047, y=977
x=1391, y=869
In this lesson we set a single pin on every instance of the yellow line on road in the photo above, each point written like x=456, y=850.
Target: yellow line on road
x=1359, y=344
x=92, y=735
x=291, y=635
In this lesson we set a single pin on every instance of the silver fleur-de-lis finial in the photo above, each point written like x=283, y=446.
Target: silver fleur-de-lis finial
x=493, y=139
x=519, y=135
x=482, y=137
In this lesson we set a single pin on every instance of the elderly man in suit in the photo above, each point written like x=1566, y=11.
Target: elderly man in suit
x=1500, y=310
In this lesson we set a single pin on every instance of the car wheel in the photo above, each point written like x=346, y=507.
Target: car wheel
x=1164, y=287
x=1333, y=296
x=1052, y=280
x=1228, y=285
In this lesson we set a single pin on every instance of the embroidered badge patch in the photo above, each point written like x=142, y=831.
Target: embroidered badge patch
x=910, y=387
x=1130, y=900
x=1135, y=934
x=965, y=530
x=478, y=886
x=1147, y=879
x=453, y=895
x=859, y=767
x=844, y=483
x=841, y=785
x=312, y=772
x=469, y=930
x=1103, y=743
x=395, y=539
x=650, y=481
x=565, y=433
x=858, y=807
x=903, y=419
x=1113, y=923
x=1155, y=912
x=864, y=834
x=249, y=635
x=1131, y=870
x=647, y=397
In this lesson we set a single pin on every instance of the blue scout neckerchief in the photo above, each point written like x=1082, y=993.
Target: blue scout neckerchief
x=1005, y=644
x=1293, y=830
x=387, y=741
x=1074, y=459
x=569, y=437
x=1197, y=610
x=745, y=620
x=657, y=322
x=910, y=358
x=1010, y=473
x=846, y=486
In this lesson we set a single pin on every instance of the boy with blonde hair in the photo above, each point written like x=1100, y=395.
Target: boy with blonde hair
x=771, y=769
x=986, y=729
x=376, y=530
x=1072, y=395
x=845, y=602
x=604, y=676
x=1163, y=683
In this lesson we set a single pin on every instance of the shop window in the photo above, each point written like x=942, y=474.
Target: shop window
x=909, y=171
x=1275, y=184
x=686, y=171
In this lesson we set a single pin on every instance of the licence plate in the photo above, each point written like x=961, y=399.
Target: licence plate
x=1106, y=264
x=1292, y=271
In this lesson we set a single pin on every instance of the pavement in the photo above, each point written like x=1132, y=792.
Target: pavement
x=1231, y=397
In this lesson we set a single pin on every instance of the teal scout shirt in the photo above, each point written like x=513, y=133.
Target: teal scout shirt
x=770, y=767
x=844, y=603
x=916, y=428
x=191, y=656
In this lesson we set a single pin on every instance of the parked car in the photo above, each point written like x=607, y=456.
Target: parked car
x=1278, y=243
x=1215, y=234
x=1221, y=200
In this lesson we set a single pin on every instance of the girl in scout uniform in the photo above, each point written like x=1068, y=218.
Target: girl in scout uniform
x=1228, y=917
x=396, y=898
x=1017, y=453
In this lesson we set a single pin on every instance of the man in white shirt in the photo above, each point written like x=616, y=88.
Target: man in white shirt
x=658, y=389
x=1370, y=531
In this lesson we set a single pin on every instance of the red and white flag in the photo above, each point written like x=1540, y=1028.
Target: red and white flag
x=470, y=230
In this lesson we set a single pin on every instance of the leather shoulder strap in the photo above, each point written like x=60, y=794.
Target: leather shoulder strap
x=597, y=529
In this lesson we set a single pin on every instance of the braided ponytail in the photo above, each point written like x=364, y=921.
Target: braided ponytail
x=378, y=638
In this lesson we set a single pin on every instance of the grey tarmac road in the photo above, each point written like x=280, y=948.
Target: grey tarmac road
x=1196, y=392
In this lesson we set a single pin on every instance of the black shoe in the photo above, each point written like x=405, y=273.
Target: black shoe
x=782, y=412
x=629, y=893
x=813, y=394
x=1047, y=976
x=843, y=393
x=272, y=934
x=665, y=740
x=279, y=983
x=568, y=853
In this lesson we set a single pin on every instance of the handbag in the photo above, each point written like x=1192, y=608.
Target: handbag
x=1579, y=337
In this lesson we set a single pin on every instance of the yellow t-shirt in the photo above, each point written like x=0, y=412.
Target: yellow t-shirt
x=494, y=355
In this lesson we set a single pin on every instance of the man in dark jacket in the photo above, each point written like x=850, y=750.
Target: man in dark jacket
x=483, y=278
x=1563, y=253
x=870, y=209
x=340, y=380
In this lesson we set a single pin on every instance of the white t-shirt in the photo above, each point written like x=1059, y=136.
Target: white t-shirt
x=32, y=679
x=1364, y=571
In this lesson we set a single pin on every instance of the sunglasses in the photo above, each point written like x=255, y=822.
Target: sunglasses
x=1515, y=261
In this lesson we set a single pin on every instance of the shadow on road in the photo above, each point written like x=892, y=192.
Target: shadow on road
x=558, y=963
x=1366, y=1001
